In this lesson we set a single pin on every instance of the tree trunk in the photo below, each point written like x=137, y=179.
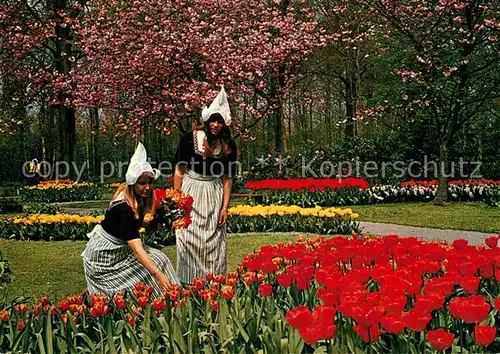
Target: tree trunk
x=442, y=191
x=351, y=102
x=275, y=126
x=94, y=136
x=278, y=128
x=67, y=122
x=47, y=122
x=450, y=133
x=67, y=134
x=311, y=119
x=328, y=117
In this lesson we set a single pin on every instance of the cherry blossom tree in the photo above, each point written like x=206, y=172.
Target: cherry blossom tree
x=166, y=59
x=450, y=65
x=37, y=44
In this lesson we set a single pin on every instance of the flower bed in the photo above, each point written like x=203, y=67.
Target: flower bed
x=308, y=193
x=307, y=183
x=62, y=226
x=380, y=295
x=48, y=227
x=325, y=221
x=62, y=191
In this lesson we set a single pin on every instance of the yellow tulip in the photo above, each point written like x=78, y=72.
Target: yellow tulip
x=281, y=210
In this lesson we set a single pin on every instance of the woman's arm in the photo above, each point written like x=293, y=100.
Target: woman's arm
x=179, y=172
x=227, y=187
x=144, y=258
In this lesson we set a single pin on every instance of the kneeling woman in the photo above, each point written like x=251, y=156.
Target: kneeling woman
x=115, y=258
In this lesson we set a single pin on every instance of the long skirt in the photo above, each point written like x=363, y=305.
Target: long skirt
x=111, y=266
x=201, y=247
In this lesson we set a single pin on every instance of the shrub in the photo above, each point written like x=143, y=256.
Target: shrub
x=41, y=208
x=62, y=192
x=10, y=205
x=493, y=199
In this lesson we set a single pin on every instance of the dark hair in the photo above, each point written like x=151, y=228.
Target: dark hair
x=225, y=134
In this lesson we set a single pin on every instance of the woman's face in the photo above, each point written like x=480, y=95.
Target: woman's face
x=143, y=186
x=215, y=126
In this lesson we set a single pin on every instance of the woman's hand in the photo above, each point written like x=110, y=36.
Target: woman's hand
x=165, y=282
x=223, y=215
x=145, y=259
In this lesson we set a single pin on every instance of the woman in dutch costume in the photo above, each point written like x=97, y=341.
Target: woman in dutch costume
x=115, y=258
x=205, y=164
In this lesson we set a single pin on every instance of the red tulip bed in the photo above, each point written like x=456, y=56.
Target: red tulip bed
x=336, y=295
x=309, y=192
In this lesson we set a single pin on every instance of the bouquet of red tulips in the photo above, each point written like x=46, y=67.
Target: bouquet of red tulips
x=173, y=207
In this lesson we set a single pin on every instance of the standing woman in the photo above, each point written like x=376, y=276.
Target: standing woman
x=115, y=258
x=205, y=164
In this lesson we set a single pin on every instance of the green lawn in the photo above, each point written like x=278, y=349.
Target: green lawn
x=55, y=268
x=457, y=216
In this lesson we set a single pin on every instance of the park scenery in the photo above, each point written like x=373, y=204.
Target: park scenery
x=365, y=204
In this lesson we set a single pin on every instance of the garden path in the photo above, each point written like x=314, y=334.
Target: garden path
x=375, y=228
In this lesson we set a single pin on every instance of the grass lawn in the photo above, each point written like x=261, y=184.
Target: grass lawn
x=55, y=269
x=457, y=216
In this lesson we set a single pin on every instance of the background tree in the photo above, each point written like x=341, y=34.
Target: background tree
x=165, y=60
x=141, y=70
x=450, y=64
x=37, y=44
x=346, y=62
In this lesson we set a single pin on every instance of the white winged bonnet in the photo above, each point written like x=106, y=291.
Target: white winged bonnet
x=139, y=165
x=219, y=105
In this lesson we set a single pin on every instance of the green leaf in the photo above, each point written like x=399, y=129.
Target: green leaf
x=350, y=344
x=17, y=340
x=241, y=330
x=223, y=314
x=87, y=340
x=119, y=327
x=41, y=346
x=67, y=342
x=48, y=333
x=177, y=335
x=109, y=332
x=320, y=350
x=164, y=324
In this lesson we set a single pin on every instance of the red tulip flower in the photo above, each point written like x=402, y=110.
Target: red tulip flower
x=285, y=280
x=470, y=284
x=484, y=335
x=366, y=335
x=440, y=339
x=417, y=319
x=492, y=241
x=265, y=289
x=4, y=316
x=393, y=323
x=300, y=317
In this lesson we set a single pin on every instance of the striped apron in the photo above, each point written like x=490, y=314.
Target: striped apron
x=201, y=247
x=111, y=266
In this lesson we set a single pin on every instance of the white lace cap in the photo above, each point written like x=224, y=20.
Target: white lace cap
x=219, y=105
x=139, y=165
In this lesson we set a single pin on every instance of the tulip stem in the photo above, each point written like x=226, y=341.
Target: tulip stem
x=259, y=317
x=370, y=349
x=461, y=337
